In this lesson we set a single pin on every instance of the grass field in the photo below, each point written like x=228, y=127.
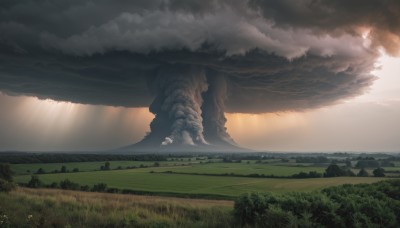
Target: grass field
x=60, y=208
x=143, y=180
x=21, y=169
x=277, y=169
x=244, y=169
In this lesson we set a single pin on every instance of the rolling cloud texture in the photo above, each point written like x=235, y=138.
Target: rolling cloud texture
x=191, y=61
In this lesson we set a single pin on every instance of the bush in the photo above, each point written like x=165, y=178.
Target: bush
x=6, y=186
x=311, y=174
x=101, y=187
x=363, y=205
x=5, y=172
x=53, y=185
x=372, y=163
x=67, y=184
x=34, y=182
x=334, y=171
x=363, y=173
x=379, y=172
x=40, y=171
x=85, y=188
x=63, y=169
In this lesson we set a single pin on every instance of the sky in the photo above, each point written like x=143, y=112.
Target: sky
x=261, y=74
x=369, y=123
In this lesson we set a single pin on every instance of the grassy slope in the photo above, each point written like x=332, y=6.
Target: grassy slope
x=59, y=208
x=141, y=179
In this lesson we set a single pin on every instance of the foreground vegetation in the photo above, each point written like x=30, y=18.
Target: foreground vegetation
x=363, y=205
x=374, y=205
x=60, y=208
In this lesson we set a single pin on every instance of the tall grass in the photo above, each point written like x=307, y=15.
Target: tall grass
x=60, y=208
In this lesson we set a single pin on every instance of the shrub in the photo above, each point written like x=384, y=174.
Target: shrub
x=363, y=205
x=311, y=174
x=34, y=182
x=333, y=171
x=63, y=169
x=67, y=184
x=5, y=172
x=6, y=186
x=40, y=171
x=53, y=185
x=101, y=187
x=85, y=188
x=106, y=166
x=379, y=172
x=363, y=173
x=370, y=163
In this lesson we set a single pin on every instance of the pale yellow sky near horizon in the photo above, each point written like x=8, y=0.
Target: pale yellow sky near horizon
x=369, y=122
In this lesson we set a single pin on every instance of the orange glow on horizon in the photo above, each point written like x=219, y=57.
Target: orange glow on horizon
x=245, y=128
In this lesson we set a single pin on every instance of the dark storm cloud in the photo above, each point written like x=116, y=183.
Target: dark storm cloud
x=338, y=17
x=272, y=55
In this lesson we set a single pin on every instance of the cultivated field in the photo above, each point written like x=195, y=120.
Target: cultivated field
x=21, y=169
x=145, y=180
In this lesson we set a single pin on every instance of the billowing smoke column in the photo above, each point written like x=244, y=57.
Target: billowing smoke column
x=213, y=111
x=188, y=108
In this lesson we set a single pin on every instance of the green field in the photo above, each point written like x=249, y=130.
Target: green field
x=193, y=166
x=143, y=180
x=244, y=169
x=20, y=169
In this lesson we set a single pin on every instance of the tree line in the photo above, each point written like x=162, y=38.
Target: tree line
x=24, y=158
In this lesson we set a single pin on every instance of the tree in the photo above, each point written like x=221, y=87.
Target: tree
x=106, y=166
x=363, y=173
x=370, y=163
x=34, y=182
x=334, y=171
x=379, y=172
x=75, y=170
x=40, y=171
x=5, y=172
x=156, y=164
x=63, y=169
x=348, y=163
x=349, y=173
x=6, y=184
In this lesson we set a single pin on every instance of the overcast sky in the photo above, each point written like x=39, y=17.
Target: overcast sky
x=263, y=74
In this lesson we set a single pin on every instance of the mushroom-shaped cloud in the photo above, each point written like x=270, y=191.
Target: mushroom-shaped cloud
x=191, y=61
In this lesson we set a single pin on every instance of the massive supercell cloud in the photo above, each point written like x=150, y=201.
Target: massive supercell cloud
x=192, y=61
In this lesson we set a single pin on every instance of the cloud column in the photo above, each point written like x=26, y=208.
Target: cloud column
x=177, y=106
